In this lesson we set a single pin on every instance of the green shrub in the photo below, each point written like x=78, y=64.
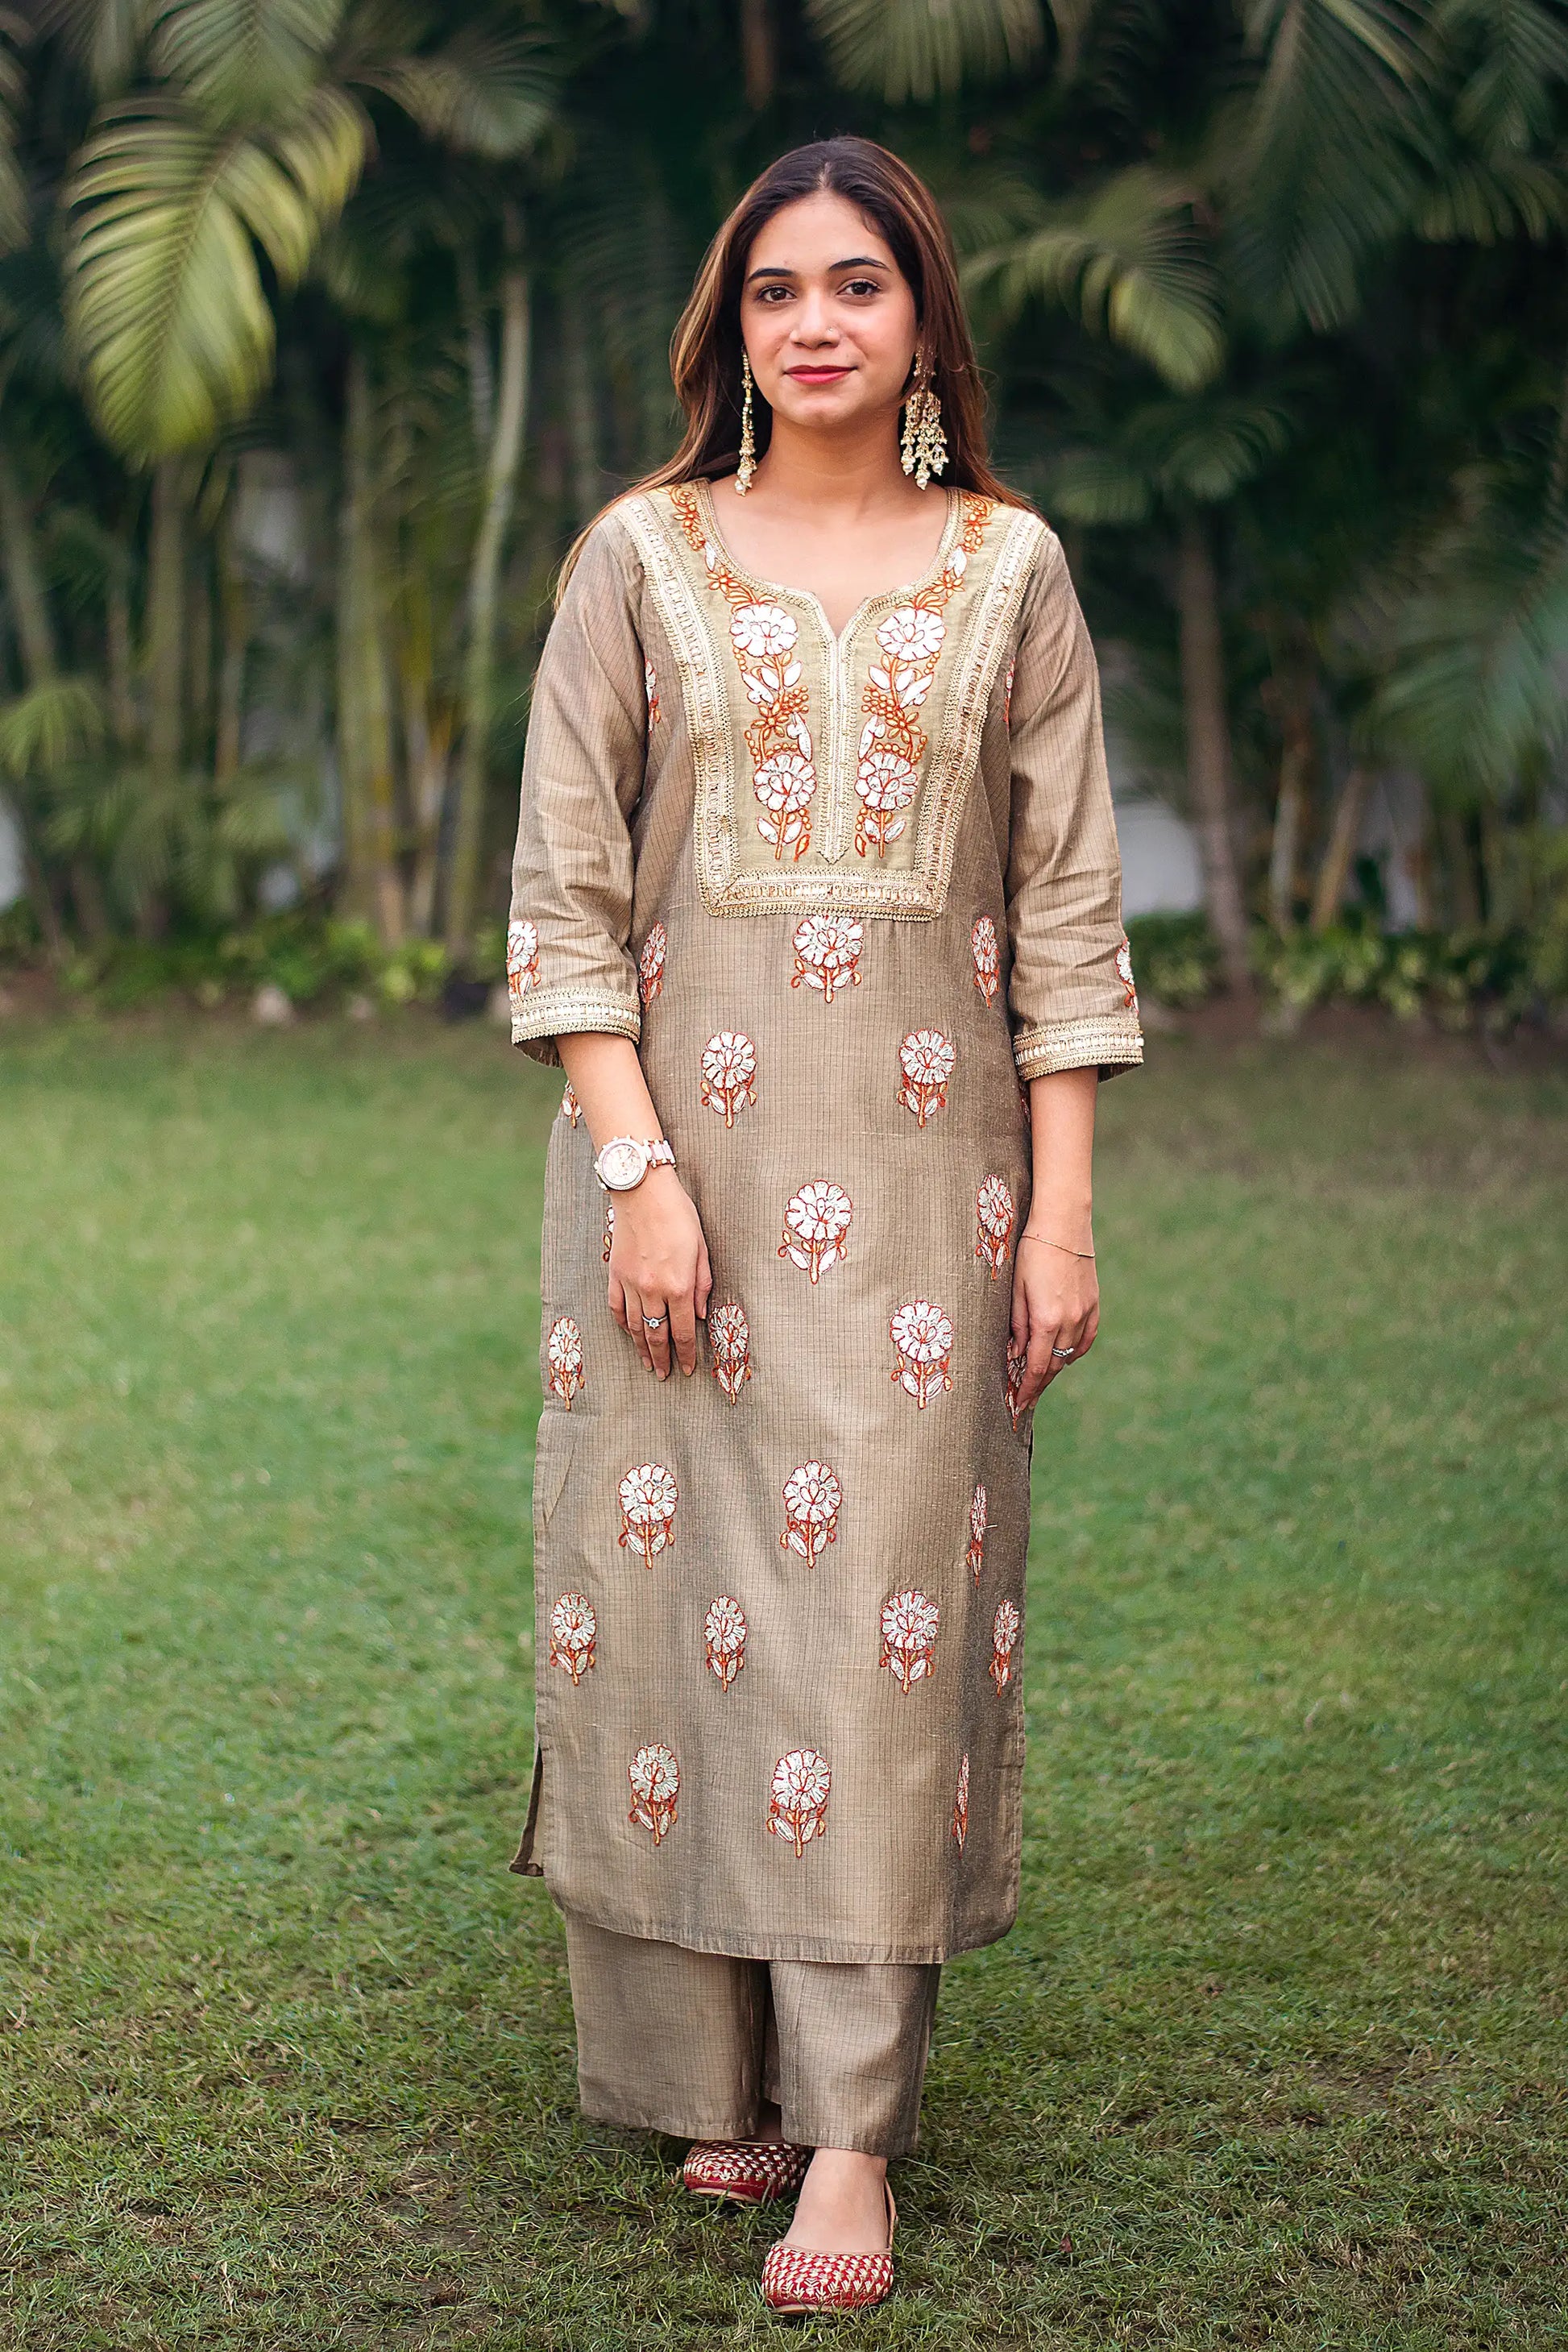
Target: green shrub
x=1174, y=957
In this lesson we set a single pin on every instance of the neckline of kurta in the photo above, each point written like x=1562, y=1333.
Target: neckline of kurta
x=780, y=591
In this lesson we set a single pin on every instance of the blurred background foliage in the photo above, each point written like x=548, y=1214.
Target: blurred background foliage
x=325, y=323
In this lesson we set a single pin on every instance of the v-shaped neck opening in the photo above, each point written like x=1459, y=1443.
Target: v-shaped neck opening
x=780, y=589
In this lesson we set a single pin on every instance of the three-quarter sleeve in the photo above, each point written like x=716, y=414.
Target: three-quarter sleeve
x=569, y=967
x=1070, y=994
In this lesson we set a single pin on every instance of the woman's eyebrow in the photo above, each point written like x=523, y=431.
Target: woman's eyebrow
x=855, y=261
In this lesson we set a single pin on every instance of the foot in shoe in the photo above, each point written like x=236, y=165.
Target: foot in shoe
x=843, y=2204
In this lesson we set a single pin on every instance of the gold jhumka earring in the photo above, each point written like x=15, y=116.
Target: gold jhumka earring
x=748, y=465
x=922, y=452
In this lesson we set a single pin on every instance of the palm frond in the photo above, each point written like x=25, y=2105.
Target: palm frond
x=165, y=299
x=1099, y=486
x=106, y=37
x=243, y=61
x=1204, y=450
x=1515, y=58
x=50, y=725
x=1482, y=202
x=915, y=48
x=1130, y=261
x=486, y=91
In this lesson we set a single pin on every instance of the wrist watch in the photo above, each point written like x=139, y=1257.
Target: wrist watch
x=625, y=1160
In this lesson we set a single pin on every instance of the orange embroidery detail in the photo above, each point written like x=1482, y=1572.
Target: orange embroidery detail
x=909, y=1621
x=827, y=953
x=987, y=961
x=994, y=1220
x=650, y=963
x=817, y=1228
x=922, y=1348
x=521, y=960
x=573, y=1630
x=1017, y=1367
x=1124, y=974
x=570, y=1105
x=650, y=681
x=797, y=1805
x=783, y=771
x=960, y=1802
x=1003, y=1635
x=730, y=1338
x=892, y=741
x=648, y=1496
x=978, y=1508
x=926, y=1058
x=563, y=1354
x=655, y=1777
x=729, y=1074
x=724, y=1631
x=812, y=1498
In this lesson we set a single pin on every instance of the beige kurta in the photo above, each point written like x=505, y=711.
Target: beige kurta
x=847, y=893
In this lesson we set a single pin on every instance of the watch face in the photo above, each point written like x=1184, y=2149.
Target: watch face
x=621, y=1165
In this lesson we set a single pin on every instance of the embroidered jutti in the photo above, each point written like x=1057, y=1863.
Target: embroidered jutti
x=847, y=893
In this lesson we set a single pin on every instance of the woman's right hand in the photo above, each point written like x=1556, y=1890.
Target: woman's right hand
x=658, y=1265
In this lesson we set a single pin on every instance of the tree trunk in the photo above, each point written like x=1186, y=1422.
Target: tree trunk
x=758, y=65
x=200, y=658
x=427, y=743
x=1295, y=768
x=484, y=581
x=166, y=623
x=364, y=708
x=118, y=649
x=29, y=606
x=582, y=414
x=1209, y=748
x=234, y=619
x=1343, y=833
x=476, y=336
x=1464, y=900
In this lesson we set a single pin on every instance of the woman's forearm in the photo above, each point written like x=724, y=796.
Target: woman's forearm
x=1061, y=1122
x=607, y=1079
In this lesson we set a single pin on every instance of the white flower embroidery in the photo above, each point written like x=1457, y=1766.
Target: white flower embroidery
x=816, y=1226
x=763, y=629
x=573, y=1630
x=993, y=1219
x=570, y=1105
x=988, y=962
x=827, y=953
x=978, y=1508
x=1004, y=1628
x=655, y=1777
x=798, y=1806
x=921, y=1335
x=911, y=634
x=648, y=1496
x=730, y=1338
x=729, y=1074
x=785, y=787
x=564, y=1355
x=724, y=1630
x=926, y=1058
x=650, y=963
x=960, y=1802
x=812, y=1498
x=650, y=682
x=1124, y=974
x=909, y=1621
x=885, y=784
x=521, y=958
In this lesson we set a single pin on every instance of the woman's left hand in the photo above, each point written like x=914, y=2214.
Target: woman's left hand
x=1056, y=1306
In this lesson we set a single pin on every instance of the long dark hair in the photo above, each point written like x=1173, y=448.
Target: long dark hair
x=705, y=350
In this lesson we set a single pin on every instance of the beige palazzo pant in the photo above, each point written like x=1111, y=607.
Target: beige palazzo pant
x=695, y=2044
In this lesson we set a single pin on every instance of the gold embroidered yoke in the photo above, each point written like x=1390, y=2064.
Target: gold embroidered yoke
x=846, y=892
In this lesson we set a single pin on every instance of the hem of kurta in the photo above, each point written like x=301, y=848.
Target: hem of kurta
x=737, y=1945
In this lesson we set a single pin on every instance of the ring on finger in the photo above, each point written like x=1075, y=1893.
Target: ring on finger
x=1064, y=1352
x=652, y=1322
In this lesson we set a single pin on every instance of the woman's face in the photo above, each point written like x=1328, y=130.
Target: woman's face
x=828, y=318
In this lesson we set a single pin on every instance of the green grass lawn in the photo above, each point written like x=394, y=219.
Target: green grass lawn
x=1276, y=2054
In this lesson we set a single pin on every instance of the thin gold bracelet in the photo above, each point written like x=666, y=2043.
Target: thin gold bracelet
x=1027, y=1236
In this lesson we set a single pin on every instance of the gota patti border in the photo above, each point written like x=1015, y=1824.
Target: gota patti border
x=727, y=886
x=1109, y=1040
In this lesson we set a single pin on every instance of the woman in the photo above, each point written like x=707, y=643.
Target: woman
x=817, y=901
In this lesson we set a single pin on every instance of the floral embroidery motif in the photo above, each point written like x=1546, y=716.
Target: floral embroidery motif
x=650, y=963
x=783, y=772
x=988, y=962
x=922, y=1348
x=978, y=1511
x=729, y=1074
x=655, y=1777
x=573, y=1630
x=1007, y=692
x=1124, y=974
x=563, y=1354
x=1017, y=1367
x=892, y=741
x=909, y=1621
x=798, y=1806
x=648, y=1496
x=1003, y=1635
x=926, y=1058
x=994, y=1220
x=730, y=1338
x=827, y=953
x=817, y=1228
x=651, y=682
x=960, y=1802
x=812, y=1498
x=609, y=1230
x=521, y=960
x=724, y=1630
x=570, y=1106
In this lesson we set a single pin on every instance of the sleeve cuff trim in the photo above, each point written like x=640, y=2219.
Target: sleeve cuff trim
x=566, y=1012
x=1108, y=1041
